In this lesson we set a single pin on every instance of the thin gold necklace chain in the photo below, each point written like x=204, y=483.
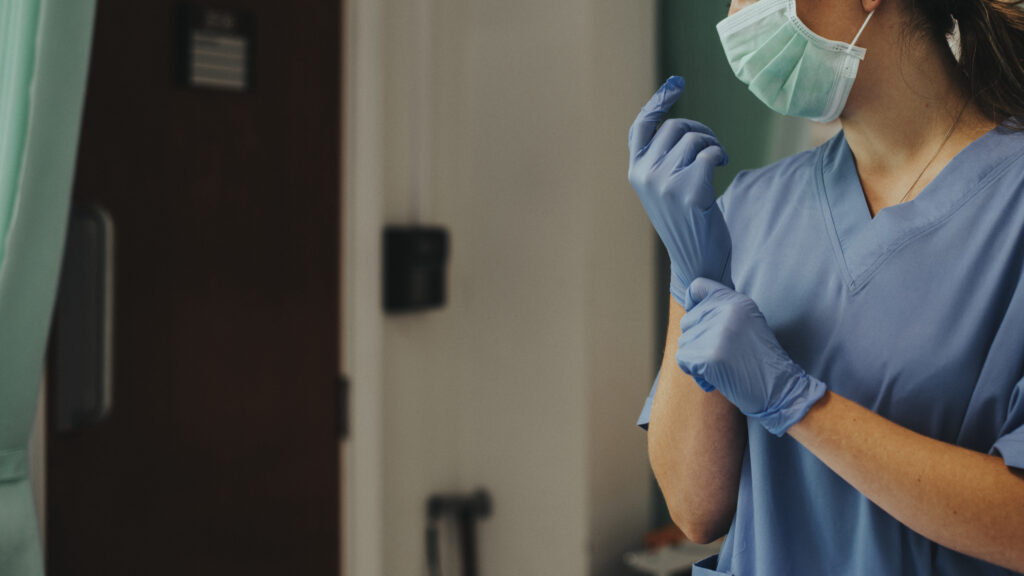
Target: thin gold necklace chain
x=936, y=155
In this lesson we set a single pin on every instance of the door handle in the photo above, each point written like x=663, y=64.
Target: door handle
x=84, y=355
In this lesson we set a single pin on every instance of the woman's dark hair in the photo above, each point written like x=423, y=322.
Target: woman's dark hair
x=991, y=50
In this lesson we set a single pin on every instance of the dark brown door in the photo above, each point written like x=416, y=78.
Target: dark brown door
x=220, y=455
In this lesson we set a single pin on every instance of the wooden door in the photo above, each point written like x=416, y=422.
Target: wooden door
x=220, y=455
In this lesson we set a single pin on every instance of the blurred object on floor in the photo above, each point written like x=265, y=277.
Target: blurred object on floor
x=672, y=559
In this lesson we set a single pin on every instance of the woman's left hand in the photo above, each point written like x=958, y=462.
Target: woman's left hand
x=726, y=344
x=671, y=169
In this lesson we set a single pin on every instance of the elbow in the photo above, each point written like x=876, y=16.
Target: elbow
x=699, y=530
x=1017, y=564
x=702, y=516
x=700, y=534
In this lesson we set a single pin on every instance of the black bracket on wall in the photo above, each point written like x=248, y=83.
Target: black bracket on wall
x=466, y=509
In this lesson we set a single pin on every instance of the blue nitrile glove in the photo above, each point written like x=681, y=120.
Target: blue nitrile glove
x=671, y=171
x=726, y=344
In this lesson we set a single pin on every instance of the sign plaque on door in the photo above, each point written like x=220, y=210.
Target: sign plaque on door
x=214, y=48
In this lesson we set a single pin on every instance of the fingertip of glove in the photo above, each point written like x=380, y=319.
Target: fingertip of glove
x=688, y=302
x=715, y=154
x=704, y=385
x=696, y=292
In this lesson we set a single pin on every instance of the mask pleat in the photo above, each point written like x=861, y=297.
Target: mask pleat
x=760, y=50
x=784, y=63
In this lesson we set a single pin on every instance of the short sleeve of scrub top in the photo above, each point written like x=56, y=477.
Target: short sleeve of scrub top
x=916, y=313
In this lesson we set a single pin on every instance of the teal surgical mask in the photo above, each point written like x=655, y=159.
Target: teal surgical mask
x=787, y=66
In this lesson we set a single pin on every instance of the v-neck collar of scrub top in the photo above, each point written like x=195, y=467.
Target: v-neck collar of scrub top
x=862, y=243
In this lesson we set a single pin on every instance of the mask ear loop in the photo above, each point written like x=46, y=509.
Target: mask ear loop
x=861, y=31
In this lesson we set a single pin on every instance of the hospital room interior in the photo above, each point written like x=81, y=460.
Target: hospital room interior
x=402, y=308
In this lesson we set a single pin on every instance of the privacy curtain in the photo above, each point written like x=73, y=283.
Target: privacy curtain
x=44, y=57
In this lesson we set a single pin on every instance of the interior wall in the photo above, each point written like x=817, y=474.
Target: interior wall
x=529, y=381
x=619, y=313
x=362, y=500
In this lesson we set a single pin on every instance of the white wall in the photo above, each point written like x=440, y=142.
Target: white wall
x=529, y=382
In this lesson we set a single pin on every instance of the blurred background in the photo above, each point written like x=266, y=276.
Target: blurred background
x=253, y=178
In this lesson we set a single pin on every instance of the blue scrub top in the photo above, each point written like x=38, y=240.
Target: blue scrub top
x=916, y=314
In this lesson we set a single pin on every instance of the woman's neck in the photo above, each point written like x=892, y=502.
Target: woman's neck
x=901, y=111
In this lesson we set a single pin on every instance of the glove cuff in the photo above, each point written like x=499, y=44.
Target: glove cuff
x=801, y=395
x=678, y=288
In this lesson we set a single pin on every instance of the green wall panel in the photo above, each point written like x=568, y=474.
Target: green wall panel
x=688, y=46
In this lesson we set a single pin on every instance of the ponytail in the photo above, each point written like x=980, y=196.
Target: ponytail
x=991, y=55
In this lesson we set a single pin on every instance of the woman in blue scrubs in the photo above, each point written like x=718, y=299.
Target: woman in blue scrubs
x=842, y=390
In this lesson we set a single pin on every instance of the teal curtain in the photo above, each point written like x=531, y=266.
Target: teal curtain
x=44, y=55
x=753, y=135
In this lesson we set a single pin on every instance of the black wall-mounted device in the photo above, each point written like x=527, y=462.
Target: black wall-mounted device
x=415, y=266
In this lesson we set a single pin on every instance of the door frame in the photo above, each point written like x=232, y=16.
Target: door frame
x=362, y=219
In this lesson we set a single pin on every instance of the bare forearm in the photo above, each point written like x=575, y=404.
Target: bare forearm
x=962, y=499
x=695, y=442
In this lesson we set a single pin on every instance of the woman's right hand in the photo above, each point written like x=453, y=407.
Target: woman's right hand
x=671, y=169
